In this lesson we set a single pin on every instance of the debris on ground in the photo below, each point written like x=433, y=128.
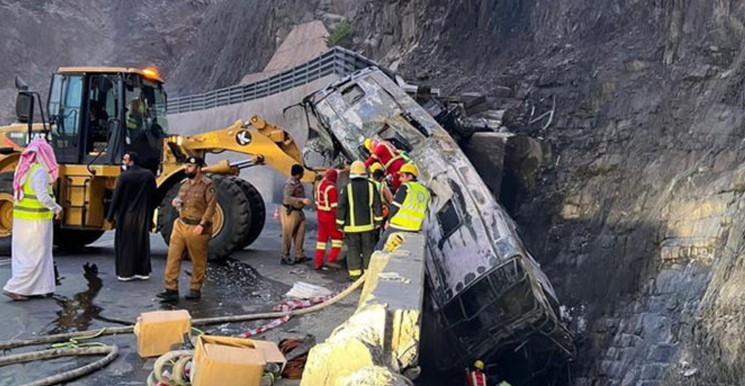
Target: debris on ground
x=303, y=290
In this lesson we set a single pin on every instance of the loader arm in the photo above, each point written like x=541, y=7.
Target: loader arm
x=264, y=143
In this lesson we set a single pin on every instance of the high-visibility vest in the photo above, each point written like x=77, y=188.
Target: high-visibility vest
x=394, y=154
x=322, y=197
x=353, y=226
x=383, y=202
x=413, y=210
x=379, y=186
x=29, y=207
x=476, y=378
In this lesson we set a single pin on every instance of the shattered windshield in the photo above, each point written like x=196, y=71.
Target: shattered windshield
x=358, y=111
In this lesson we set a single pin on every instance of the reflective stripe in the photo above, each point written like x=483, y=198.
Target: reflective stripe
x=412, y=212
x=477, y=378
x=353, y=227
x=31, y=210
x=29, y=207
x=324, y=201
x=336, y=243
x=391, y=152
x=321, y=246
x=355, y=272
x=379, y=186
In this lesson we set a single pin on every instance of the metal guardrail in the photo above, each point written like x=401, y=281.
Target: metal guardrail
x=337, y=60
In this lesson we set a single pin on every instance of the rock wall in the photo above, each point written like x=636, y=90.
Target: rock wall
x=637, y=219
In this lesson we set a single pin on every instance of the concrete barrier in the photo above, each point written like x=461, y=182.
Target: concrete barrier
x=379, y=344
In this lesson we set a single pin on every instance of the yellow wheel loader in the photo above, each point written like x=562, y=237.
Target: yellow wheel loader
x=95, y=115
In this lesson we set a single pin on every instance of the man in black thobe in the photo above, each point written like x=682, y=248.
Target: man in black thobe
x=133, y=204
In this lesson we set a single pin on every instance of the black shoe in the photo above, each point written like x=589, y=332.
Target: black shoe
x=168, y=295
x=334, y=265
x=302, y=259
x=284, y=261
x=193, y=295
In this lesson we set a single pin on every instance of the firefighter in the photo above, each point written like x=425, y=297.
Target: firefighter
x=359, y=213
x=386, y=197
x=409, y=207
x=475, y=376
x=191, y=232
x=326, y=204
x=388, y=156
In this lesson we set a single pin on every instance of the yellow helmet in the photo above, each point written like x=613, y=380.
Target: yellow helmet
x=368, y=144
x=479, y=365
x=358, y=168
x=375, y=167
x=411, y=169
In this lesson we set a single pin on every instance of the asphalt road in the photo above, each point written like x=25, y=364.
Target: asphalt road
x=89, y=297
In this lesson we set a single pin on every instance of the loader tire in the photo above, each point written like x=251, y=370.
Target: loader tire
x=230, y=224
x=74, y=239
x=258, y=211
x=6, y=212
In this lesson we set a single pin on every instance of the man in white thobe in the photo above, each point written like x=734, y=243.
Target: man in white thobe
x=33, y=212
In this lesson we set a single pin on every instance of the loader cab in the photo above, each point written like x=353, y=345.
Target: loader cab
x=98, y=113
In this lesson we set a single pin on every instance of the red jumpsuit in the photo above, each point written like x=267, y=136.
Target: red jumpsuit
x=476, y=378
x=326, y=202
x=389, y=157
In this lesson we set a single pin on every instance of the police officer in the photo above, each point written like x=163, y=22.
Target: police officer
x=293, y=218
x=191, y=231
x=409, y=207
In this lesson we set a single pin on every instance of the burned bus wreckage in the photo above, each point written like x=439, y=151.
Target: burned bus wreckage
x=486, y=293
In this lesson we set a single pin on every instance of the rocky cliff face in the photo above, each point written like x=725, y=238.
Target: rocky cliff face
x=638, y=218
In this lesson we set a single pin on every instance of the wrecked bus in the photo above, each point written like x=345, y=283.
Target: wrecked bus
x=487, y=293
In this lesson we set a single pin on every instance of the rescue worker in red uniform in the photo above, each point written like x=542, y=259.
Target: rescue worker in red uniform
x=388, y=156
x=326, y=203
x=475, y=376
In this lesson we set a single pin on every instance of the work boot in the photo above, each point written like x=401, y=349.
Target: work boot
x=193, y=295
x=168, y=295
x=334, y=265
x=284, y=261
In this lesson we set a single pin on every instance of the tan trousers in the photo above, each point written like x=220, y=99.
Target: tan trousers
x=182, y=239
x=293, y=228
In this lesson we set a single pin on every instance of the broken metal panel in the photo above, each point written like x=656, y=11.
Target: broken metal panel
x=473, y=245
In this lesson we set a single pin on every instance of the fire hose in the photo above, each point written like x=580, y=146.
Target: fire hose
x=73, y=339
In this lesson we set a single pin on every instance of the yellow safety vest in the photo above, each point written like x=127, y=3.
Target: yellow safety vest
x=353, y=227
x=379, y=186
x=412, y=212
x=30, y=208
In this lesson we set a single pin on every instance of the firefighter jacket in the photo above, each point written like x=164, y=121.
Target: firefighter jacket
x=359, y=207
x=388, y=156
x=327, y=196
